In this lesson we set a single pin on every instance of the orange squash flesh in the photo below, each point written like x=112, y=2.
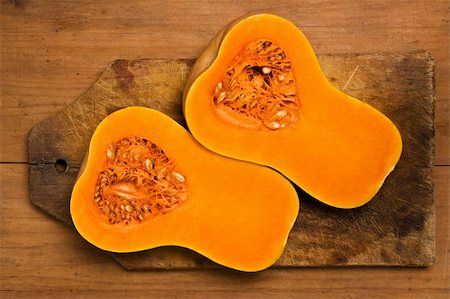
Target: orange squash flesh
x=237, y=214
x=339, y=150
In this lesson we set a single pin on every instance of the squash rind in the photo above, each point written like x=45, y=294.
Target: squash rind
x=244, y=225
x=333, y=127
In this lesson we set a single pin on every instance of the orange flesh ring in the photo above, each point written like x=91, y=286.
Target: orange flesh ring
x=237, y=214
x=339, y=150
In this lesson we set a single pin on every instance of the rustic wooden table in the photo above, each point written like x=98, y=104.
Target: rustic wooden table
x=51, y=51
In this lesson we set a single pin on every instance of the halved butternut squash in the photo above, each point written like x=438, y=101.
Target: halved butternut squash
x=146, y=182
x=257, y=93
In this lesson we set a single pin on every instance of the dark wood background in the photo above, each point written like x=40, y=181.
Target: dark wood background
x=53, y=51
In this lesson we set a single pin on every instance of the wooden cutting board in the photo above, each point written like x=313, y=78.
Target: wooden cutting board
x=395, y=229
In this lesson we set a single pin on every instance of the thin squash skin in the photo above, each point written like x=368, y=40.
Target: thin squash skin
x=237, y=214
x=339, y=151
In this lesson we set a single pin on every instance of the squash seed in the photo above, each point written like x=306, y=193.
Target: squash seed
x=129, y=208
x=273, y=125
x=281, y=113
x=179, y=177
x=110, y=152
x=148, y=164
x=266, y=70
x=218, y=87
x=161, y=173
x=221, y=97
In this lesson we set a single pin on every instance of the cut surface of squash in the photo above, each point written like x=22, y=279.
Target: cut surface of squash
x=257, y=93
x=146, y=183
x=258, y=90
x=138, y=181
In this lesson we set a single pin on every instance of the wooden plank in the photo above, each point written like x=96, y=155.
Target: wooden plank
x=53, y=50
x=65, y=136
x=41, y=258
x=396, y=228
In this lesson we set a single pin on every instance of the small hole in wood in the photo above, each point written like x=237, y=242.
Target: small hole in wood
x=60, y=165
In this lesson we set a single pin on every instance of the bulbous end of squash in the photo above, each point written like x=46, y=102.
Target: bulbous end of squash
x=258, y=94
x=146, y=182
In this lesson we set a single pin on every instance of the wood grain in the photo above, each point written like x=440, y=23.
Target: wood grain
x=395, y=228
x=71, y=42
x=52, y=51
x=53, y=261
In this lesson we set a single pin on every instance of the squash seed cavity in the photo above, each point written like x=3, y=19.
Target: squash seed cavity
x=258, y=90
x=138, y=182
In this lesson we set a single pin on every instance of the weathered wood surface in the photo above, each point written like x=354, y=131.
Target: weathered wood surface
x=395, y=228
x=42, y=258
x=52, y=51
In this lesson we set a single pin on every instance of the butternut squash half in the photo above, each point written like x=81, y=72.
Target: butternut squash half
x=146, y=182
x=257, y=93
